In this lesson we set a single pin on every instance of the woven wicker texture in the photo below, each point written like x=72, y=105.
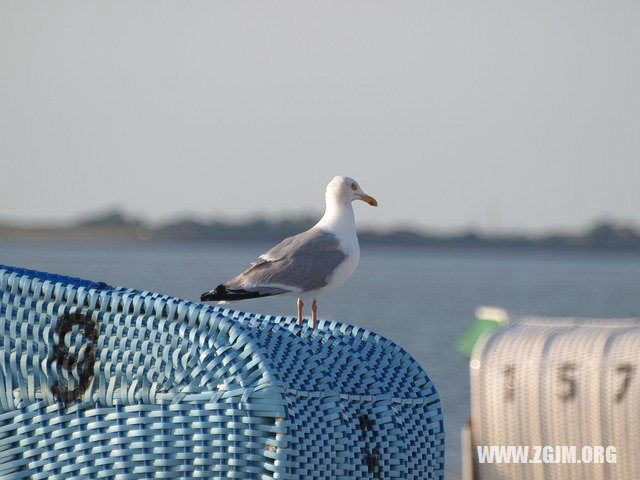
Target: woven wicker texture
x=104, y=382
x=559, y=381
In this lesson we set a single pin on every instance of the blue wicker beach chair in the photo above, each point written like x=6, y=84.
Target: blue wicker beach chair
x=109, y=382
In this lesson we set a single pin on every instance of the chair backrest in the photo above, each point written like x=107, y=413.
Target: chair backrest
x=565, y=382
x=118, y=383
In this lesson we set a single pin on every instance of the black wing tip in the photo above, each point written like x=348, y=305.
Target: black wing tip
x=220, y=293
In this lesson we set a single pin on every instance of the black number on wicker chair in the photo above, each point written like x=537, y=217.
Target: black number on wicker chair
x=68, y=361
x=564, y=374
x=627, y=371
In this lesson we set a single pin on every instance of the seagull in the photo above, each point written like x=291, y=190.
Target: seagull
x=307, y=264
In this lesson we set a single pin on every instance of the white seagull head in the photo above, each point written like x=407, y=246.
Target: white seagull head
x=346, y=190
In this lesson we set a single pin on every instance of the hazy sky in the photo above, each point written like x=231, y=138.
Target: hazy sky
x=497, y=114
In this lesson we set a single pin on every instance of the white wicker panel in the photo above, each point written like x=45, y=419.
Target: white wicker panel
x=505, y=407
x=559, y=382
x=621, y=401
x=570, y=393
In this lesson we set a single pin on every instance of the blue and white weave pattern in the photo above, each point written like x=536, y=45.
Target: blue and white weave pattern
x=115, y=383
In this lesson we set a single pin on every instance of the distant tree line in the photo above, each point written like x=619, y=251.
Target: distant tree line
x=116, y=226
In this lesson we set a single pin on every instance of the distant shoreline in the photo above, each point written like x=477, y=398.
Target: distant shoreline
x=117, y=228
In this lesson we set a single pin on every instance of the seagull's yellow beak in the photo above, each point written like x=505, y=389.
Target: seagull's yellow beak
x=370, y=200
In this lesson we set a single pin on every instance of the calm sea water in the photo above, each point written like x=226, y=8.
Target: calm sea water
x=421, y=299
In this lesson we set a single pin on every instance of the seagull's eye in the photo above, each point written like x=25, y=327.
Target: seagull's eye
x=353, y=186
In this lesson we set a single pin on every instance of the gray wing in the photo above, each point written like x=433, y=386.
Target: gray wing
x=303, y=262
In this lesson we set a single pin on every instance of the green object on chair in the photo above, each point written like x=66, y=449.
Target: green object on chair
x=488, y=320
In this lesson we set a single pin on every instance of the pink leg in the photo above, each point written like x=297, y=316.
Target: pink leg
x=300, y=305
x=314, y=311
